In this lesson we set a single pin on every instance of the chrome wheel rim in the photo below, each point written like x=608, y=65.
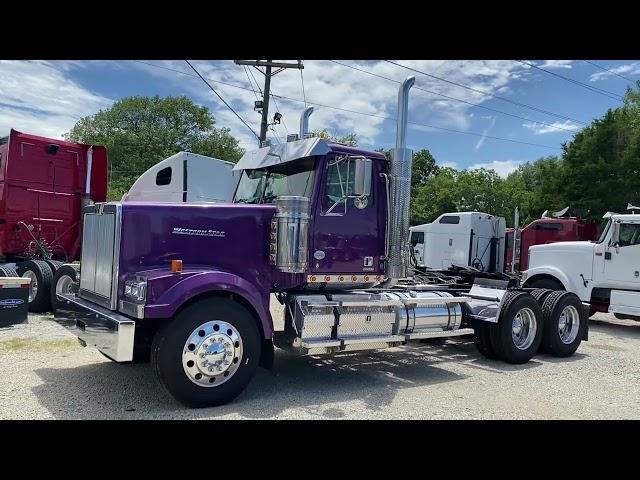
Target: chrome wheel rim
x=212, y=354
x=33, y=286
x=568, y=324
x=64, y=285
x=523, y=328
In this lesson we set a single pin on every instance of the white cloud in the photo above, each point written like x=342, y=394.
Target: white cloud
x=57, y=101
x=502, y=167
x=626, y=70
x=327, y=83
x=540, y=129
x=37, y=98
x=484, y=134
x=556, y=64
x=448, y=165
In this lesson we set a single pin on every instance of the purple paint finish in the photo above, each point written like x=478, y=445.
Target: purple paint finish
x=232, y=240
x=346, y=240
x=225, y=247
x=196, y=282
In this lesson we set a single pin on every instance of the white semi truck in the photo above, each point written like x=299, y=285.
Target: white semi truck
x=605, y=274
x=466, y=239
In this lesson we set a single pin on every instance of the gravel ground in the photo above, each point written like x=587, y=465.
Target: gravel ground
x=45, y=373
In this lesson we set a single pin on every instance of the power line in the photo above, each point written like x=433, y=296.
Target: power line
x=455, y=99
x=504, y=99
x=598, y=90
x=223, y=100
x=318, y=104
x=610, y=71
x=247, y=74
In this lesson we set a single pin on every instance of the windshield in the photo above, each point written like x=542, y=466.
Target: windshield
x=604, y=232
x=265, y=184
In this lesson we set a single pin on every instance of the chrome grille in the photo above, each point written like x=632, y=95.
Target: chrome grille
x=100, y=252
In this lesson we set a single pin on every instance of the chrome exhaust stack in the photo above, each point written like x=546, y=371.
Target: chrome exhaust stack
x=304, y=121
x=400, y=180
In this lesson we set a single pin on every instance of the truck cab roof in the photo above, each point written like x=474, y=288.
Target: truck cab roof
x=288, y=152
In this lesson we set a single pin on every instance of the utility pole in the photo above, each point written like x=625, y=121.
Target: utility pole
x=268, y=73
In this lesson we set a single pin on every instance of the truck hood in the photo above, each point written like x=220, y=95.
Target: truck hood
x=571, y=258
x=571, y=247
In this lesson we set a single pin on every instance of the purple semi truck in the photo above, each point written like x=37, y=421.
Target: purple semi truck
x=322, y=226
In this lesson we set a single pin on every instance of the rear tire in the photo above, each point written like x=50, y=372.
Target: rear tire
x=7, y=271
x=54, y=265
x=208, y=353
x=565, y=319
x=64, y=281
x=40, y=288
x=541, y=294
x=518, y=334
x=482, y=340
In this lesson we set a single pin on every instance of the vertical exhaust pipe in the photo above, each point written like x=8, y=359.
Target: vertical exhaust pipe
x=86, y=198
x=304, y=121
x=400, y=176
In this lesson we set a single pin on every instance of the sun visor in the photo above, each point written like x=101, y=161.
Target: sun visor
x=282, y=153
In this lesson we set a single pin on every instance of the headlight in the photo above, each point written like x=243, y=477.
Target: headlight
x=135, y=290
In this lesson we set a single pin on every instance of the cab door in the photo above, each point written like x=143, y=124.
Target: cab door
x=348, y=233
x=622, y=258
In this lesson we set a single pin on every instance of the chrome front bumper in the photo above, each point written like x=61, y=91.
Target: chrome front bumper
x=108, y=331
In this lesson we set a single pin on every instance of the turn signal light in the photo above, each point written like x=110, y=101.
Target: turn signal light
x=176, y=266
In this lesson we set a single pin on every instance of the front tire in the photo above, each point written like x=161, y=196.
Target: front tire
x=565, y=320
x=518, y=334
x=40, y=288
x=208, y=353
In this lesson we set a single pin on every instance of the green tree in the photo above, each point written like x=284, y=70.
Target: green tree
x=141, y=131
x=424, y=166
x=602, y=161
x=536, y=187
x=351, y=139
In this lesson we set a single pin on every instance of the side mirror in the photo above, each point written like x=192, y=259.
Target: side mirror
x=362, y=177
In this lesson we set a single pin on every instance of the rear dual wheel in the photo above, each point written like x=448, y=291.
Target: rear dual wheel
x=518, y=333
x=565, y=321
x=65, y=280
x=41, y=277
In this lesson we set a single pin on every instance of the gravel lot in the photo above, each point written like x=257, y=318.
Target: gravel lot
x=45, y=373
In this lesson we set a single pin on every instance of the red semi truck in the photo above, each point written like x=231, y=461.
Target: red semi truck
x=44, y=185
x=555, y=228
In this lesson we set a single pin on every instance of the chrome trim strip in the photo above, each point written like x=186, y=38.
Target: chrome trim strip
x=345, y=278
x=116, y=256
x=132, y=309
x=442, y=334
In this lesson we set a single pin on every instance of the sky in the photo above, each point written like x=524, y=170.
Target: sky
x=454, y=109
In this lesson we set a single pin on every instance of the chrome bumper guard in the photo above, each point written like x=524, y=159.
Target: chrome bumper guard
x=108, y=331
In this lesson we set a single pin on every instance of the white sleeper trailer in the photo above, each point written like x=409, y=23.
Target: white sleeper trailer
x=185, y=177
x=470, y=239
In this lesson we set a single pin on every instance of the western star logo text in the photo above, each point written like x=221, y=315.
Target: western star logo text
x=198, y=232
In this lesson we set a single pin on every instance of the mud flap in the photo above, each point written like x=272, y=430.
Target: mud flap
x=486, y=300
x=267, y=354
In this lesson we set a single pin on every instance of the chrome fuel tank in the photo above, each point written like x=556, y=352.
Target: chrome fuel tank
x=425, y=311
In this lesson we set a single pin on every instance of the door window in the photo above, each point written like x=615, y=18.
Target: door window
x=629, y=234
